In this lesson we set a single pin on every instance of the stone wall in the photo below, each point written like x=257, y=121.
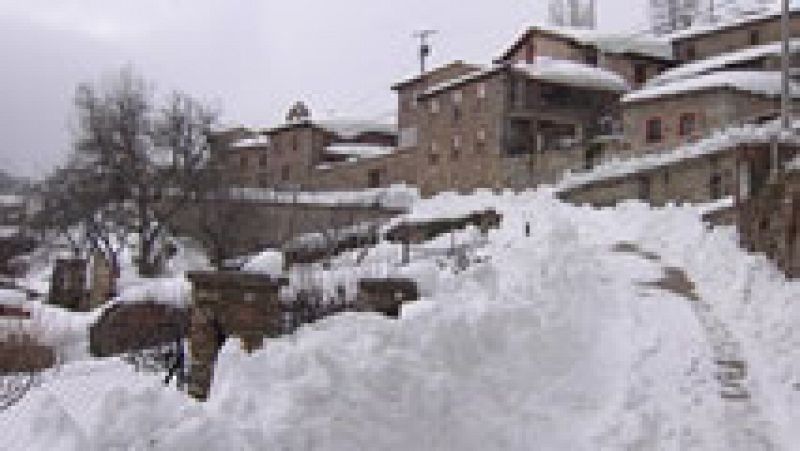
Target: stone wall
x=695, y=180
x=259, y=225
x=227, y=304
x=769, y=222
x=136, y=326
x=713, y=110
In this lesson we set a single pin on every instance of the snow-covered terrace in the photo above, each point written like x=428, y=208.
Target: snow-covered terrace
x=714, y=63
x=256, y=141
x=717, y=142
x=359, y=150
x=396, y=196
x=546, y=69
x=8, y=231
x=11, y=200
x=764, y=83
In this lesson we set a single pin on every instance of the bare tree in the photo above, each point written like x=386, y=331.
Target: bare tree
x=135, y=166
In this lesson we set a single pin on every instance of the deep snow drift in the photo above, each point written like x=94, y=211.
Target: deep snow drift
x=560, y=340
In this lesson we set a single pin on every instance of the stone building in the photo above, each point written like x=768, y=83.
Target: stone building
x=636, y=58
x=688, y=178
x=286, y=156
x=664, y=116
x=513, y=125
x=714, y=39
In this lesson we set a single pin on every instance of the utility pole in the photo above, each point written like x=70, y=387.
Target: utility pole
x=785, y=53
x=424, y=46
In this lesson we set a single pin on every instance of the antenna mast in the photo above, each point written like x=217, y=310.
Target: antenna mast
x=424, y=46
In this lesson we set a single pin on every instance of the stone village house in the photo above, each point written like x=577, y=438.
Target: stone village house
x=555, y=100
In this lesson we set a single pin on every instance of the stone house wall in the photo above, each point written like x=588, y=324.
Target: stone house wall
x=561, y=47
x=409, y=111
x=713, y=109
x=398, y=167
x=733, y=38
x=261, y=225
x=460, y=137
x=695, y=180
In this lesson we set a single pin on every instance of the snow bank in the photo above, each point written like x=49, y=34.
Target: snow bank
x=548, y=341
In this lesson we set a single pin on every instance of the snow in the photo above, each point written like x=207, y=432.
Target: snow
x=257, y=141
x=793, y=164
x=359, y=150
x=755, y=82
x=8, y=231
x=395, y=196
x=616, y=42
x=707, y=28
x=704, y=66
x=548, y=69
x=269, y=262
x=558, y=340
x=352, y=128
x=719, y=141
x=11, y=200
x=574, y=74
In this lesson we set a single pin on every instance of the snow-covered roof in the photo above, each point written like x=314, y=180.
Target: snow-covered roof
x=548, y=69
x=256, y=141
x=717, y=142
x=793, y=164
x=609, y=42
x=707, y=28
x=351, y=128
x=717, y=62
x=8, y=231
x=574, y=74
x=9, y=200
x=464, y=79
x=358, y=150
x=755, y=82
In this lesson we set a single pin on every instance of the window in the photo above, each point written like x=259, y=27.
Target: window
x=653, y=130
x=691, y=52
x=433, y=158
x=481, y=90
x=530, y=53
x=294, y=142
x=434, y=105
x=481, y=135
x=591, y=57
x=715, y=186
x=454, y=154
x=456, y=113
x=262, y=160
x=374, y=178
x=243, y=161
x=457, y=97
x=687, y=124
x=285, y=172
x=457, y=141
x=639, y=73
x=414, y=100
x=755, y=37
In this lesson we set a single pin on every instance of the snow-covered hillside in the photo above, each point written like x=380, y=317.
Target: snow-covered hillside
x=623, y=328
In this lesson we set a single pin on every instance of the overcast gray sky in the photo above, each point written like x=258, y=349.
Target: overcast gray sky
x=254, y=57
